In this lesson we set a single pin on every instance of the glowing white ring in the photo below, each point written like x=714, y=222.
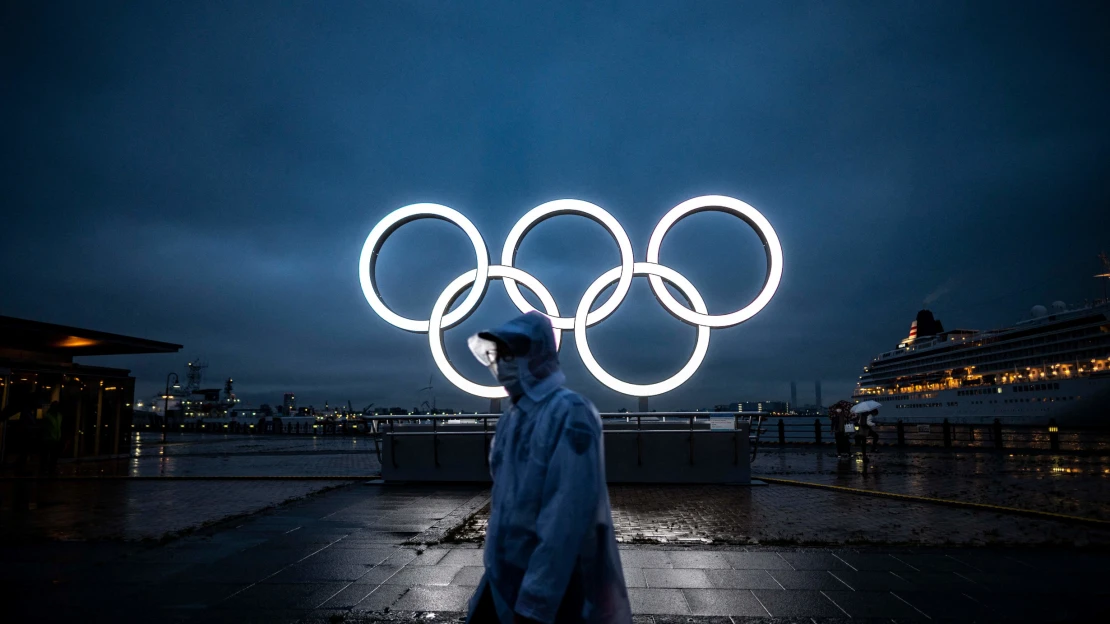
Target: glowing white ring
x=594, y=212
x=387, y=226
x=643, y=390
x=447, y=297
x=762, y=228
x=441, y=318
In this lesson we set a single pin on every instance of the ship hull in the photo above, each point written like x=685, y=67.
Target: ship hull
x=1082, y=402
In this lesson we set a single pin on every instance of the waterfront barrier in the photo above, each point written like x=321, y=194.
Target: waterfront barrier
x=776, y=431
x=639, y=448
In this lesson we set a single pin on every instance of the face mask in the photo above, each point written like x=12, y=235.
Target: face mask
x=507, y=373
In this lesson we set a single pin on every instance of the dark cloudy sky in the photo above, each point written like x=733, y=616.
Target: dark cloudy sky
x=206, y=172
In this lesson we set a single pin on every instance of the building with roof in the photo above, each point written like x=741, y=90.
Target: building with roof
x=96, y=403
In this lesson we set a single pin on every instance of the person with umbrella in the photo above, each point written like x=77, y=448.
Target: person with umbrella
x=840, y=415
x=866, y=413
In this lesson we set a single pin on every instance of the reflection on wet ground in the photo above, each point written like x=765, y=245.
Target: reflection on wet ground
x=1064, y=484
x=134, y=510
x=1077, y=485
x=208, y=455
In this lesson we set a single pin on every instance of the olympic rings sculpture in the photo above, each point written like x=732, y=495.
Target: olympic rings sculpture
x=442, y=317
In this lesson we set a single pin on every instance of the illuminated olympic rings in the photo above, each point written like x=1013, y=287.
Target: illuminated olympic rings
x=442, y=317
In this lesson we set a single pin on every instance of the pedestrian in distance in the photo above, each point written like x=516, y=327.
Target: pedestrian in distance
x=866, y=429
x=551, y=553
x=840, y=417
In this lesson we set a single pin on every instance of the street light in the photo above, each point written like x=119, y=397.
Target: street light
x=166, y=404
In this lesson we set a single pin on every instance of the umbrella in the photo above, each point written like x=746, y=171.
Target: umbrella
x=866, y=406
x=840, y=407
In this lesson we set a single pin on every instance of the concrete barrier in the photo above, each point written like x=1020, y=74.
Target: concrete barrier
x=635, y=451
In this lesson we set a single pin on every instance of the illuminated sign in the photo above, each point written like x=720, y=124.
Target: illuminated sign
x=440, y=318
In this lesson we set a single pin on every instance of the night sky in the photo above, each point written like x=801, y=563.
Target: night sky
x=205, y=173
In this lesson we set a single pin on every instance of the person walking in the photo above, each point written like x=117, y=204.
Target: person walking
x=840, y=416
x=551, y=553
x=867, y=430
x=51, y=439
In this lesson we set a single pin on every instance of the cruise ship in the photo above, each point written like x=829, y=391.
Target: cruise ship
x=1053, y=366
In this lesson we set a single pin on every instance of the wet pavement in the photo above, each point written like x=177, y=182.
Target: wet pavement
x=788, y=515
x=344, y=556
x=319, y=550
x=132, y=509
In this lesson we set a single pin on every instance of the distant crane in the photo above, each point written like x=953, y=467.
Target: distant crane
x=431, y=408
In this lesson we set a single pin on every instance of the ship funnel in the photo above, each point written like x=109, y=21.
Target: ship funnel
x=926, y=325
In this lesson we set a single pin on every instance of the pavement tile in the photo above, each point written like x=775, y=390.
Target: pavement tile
x=424, y=575
x=353, y=556
x=423, y=598
x=464, y=557
x=306, y=572
x=741, y=579
x=248, y=616
x=242, y=571
x=929, y=581
x=934, y=563
x=757, y=561
x=807, y=579
x=665, y=577
x=697, y=559
x=380, y=597
x=814, y=561
x=188, y=595
x=283, y=596
x=797, y=603
x=373, y=539
x=379, y=574
x=429, y=557
x=469, y=576
x=736, y=602
x=645, y=558
x=947, y=605
x=874, y=604
x=658, y=601
x=872, y=580
x=634, y=577
x=401, y=557
x=349, y=596
x=871, y=561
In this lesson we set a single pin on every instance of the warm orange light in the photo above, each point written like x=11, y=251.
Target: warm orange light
x=74, y=341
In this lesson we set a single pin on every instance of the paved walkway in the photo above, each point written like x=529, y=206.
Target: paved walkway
x=342, y=556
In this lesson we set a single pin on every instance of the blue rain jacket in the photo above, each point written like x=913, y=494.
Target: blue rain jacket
x=550, y=552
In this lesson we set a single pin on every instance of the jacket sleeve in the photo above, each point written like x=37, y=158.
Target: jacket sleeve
x=567, y=513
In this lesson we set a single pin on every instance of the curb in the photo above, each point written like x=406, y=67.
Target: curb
x=1047, y=515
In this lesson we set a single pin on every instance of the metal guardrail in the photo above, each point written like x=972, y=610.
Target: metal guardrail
x=638, y=423
x=763, y=429
x=808, y=430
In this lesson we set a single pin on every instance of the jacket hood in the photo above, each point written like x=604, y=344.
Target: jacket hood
x=531, y=337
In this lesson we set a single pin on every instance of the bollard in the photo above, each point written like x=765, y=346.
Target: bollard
x=782, y=432
x=1053, y=435
x=817, y=431
x=901, y=433
x=996, y=433
x=947, y=434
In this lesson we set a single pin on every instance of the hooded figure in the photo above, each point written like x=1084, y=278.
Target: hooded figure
x=550, y=553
